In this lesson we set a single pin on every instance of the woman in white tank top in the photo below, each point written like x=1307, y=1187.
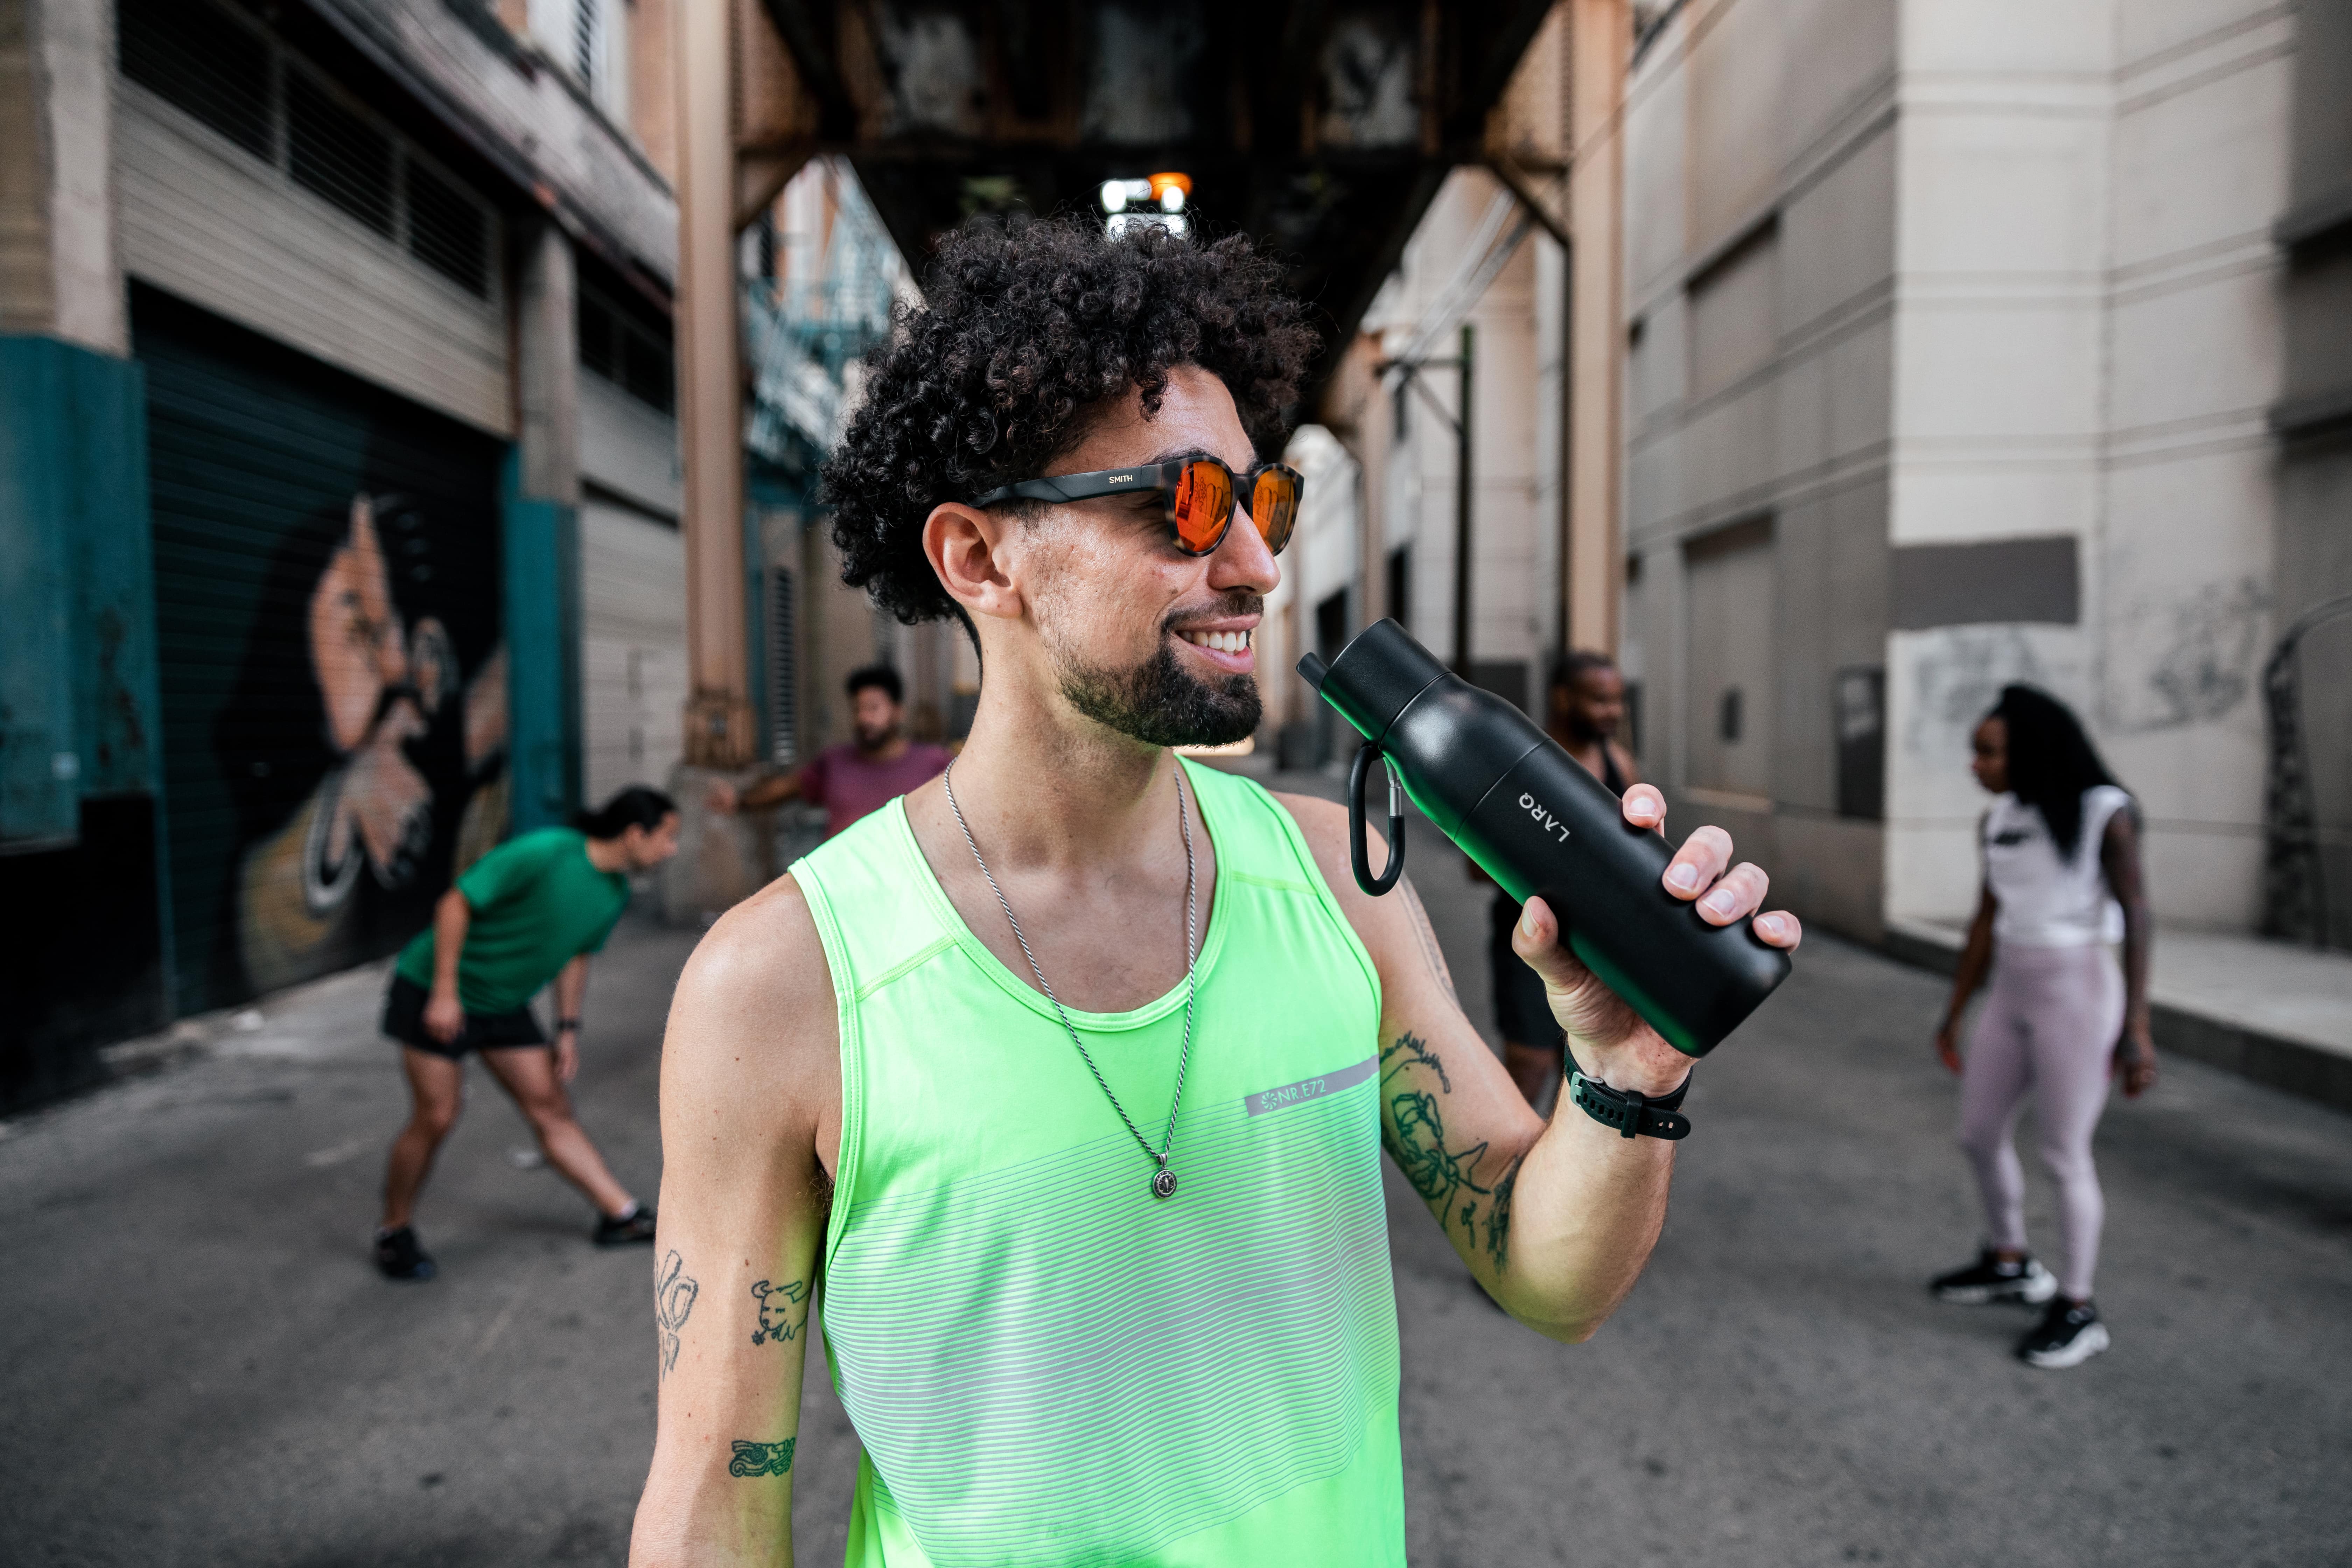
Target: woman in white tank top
x=2062, y=884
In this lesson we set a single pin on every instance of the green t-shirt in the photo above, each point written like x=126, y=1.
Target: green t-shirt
x=537, y=904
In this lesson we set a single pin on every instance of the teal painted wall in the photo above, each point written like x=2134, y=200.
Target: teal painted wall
x=542, y=599
x=82, y=835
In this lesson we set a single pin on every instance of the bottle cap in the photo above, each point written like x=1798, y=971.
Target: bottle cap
x=1375, y=677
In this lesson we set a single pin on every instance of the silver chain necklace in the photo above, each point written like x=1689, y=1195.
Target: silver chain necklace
x=1163, y=1180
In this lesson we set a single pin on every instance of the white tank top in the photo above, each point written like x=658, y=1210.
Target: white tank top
x=2047, y=901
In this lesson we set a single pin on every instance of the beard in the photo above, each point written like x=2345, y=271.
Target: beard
x=1159, y=704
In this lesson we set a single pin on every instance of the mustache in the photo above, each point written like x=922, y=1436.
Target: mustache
x=1233, y=601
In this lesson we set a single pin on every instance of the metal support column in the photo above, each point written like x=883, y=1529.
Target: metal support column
x=720, y=729
x=1462, y=508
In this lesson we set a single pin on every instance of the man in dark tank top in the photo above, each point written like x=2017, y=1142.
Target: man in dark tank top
x=1584, y=708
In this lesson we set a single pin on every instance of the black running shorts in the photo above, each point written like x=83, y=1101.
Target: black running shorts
x=1522, y=1012
x=404, y=1020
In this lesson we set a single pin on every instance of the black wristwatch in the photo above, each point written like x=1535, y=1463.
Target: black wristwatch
x=571, y=1023
x=1633, y=1114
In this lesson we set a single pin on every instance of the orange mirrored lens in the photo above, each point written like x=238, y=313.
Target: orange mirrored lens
x=1274, y=507
x=1202, y=505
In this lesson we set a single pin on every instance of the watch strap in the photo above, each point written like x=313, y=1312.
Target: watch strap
x=1632, y=1113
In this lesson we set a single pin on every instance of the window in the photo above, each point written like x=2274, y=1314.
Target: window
x=333, y=153
x=1860, y=702
x=218, y=72
x=448, y=230
x=1401, y=585
x=589, y=41
x=224, y=71
x=627, y=349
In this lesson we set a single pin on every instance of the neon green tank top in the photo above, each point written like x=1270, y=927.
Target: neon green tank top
x=1046, y=1364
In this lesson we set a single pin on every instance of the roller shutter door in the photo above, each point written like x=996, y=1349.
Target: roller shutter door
x=632, y=648
x=334, y=675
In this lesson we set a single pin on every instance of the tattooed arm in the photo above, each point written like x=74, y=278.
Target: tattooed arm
x=1555, y=1221
x=751, y=1103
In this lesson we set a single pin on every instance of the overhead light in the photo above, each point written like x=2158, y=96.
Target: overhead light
x=1170, y=190
x=1117, y=193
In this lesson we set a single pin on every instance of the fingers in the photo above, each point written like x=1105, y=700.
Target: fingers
x=1644, y=806
x=1698, y=862
x=1739, y=894
x=1780, y=929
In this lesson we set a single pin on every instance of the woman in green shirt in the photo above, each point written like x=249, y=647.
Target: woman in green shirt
x=529, y=912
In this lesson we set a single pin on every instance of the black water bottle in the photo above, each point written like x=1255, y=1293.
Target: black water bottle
x=1542, y=826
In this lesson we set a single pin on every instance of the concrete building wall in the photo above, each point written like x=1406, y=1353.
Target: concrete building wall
x=1760, y=165
x=1952, y=329
x=60, y=275
x=2089, y=338
x=2314, y=418
x=1514, y=420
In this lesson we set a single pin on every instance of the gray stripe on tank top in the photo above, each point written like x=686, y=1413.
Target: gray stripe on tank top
x=1306, y=1089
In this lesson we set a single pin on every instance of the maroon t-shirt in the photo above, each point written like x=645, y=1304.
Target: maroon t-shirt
x=849, y=785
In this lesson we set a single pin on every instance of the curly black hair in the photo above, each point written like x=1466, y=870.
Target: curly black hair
x=1027, y=327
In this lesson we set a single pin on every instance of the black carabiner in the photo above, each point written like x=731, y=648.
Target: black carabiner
x=1358, y=852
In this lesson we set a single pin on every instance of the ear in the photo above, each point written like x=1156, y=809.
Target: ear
x=965, y=546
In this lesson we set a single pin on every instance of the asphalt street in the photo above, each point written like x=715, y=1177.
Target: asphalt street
x=199, y=1366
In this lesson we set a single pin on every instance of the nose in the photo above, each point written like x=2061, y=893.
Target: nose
x=1240, y=559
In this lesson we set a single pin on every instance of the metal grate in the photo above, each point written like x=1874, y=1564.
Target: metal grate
x=783, y=698
x=221, y=70
x=330, y=151
x=220, y=74
x=448, y=230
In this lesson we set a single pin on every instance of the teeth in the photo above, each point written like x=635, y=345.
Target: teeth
x=1224, y=642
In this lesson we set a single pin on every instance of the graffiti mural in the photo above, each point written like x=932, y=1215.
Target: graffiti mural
x=364, y=748
x=329, y=645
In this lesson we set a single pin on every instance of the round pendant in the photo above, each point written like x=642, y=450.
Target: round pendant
x=1163, y=1183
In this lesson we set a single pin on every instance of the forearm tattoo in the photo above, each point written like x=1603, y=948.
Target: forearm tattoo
x=1414, y=1087
x=761, y=1459
x=783, y=1309
x=674, y=1294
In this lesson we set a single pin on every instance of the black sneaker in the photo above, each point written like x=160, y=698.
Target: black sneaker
x=399, y=1256
x=1989, y=1278
x=2068, y=1334
x=638, y=1227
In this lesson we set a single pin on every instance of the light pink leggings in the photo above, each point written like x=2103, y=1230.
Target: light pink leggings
x=2048, y=1024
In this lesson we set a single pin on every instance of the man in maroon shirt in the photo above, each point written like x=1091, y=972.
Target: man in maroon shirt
x=853, y=778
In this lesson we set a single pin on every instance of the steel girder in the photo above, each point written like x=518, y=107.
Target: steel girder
x=1320, y=127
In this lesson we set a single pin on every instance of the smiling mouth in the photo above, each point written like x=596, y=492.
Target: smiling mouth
x=1220, y=642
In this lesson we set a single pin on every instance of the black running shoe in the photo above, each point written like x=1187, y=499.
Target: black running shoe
x=638, y=1227
x=2068, y=1335
x=399, y=1256
x=1989, y=1278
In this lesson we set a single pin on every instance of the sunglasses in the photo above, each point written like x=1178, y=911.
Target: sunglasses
x=1199, y=498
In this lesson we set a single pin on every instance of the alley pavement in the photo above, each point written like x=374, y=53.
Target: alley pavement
x=198, y=1364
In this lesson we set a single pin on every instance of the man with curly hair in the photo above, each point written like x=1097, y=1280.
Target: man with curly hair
x=1069, y=1077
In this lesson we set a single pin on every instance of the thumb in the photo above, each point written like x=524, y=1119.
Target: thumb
x=1537, y=939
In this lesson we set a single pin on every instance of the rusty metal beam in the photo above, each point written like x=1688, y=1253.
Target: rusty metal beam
x=1515, y=180
x=813, y=33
